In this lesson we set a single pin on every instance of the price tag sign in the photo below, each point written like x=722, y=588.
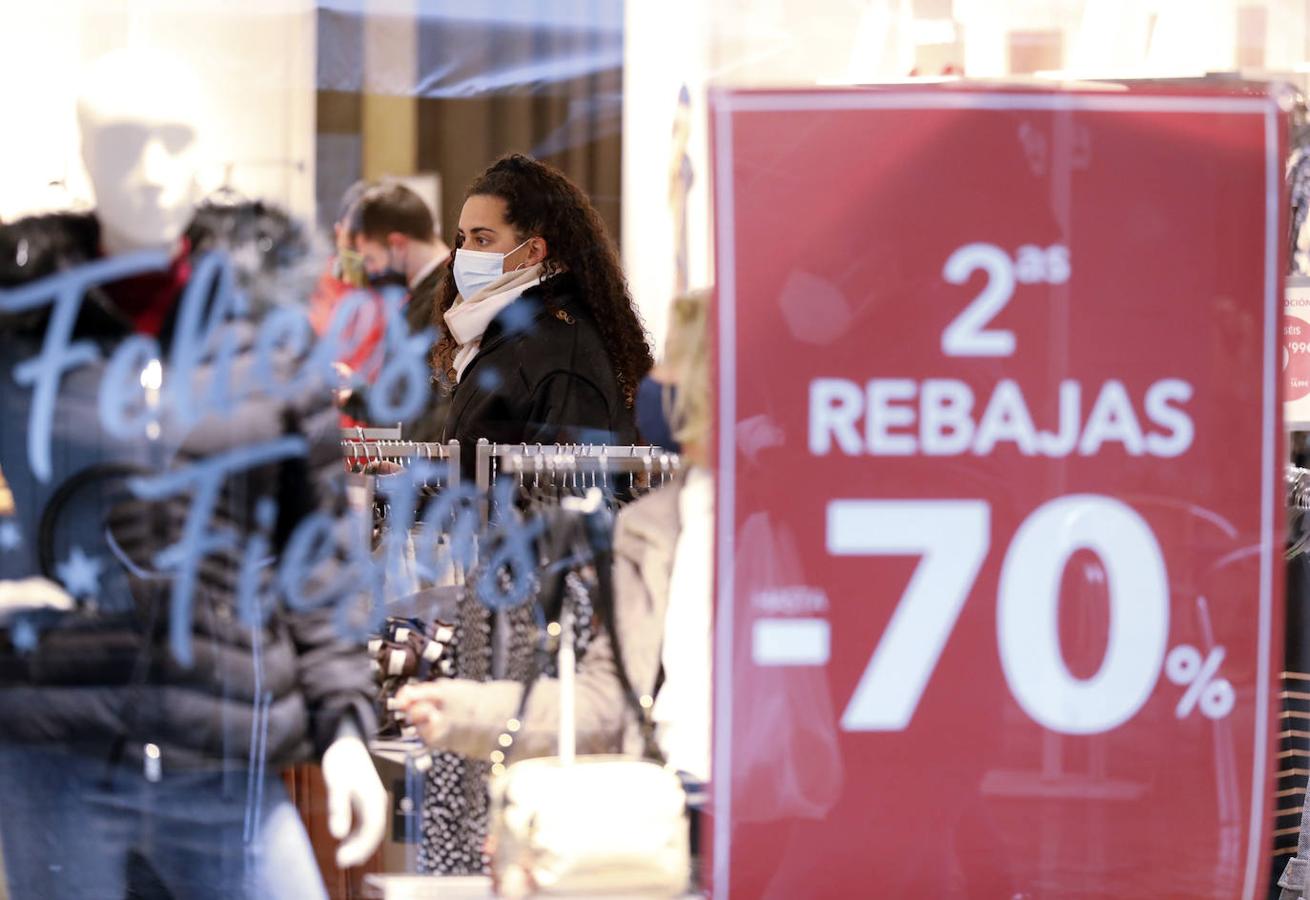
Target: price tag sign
x=1296, y=353
x=999, y=457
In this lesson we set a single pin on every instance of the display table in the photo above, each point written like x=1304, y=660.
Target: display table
x=425, y=887
x=473, y=887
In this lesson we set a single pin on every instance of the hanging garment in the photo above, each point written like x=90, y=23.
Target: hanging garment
x=456, y=803
x=1293, y=880
x=1291, y=849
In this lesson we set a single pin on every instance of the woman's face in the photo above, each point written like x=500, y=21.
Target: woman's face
x=482, y=227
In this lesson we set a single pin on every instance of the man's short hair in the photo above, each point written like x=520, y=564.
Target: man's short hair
x=350, y=199
x=392, y=207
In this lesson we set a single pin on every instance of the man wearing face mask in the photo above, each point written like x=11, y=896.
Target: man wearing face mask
x=397, y=241
x=343, y=275
x=395, y=237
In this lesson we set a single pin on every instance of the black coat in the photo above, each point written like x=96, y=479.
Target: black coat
x=102, y=680
x=542, y=376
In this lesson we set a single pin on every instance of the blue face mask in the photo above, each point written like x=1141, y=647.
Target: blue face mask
x=652, y=419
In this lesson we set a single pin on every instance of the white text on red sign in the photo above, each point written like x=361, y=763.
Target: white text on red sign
x=943, y=416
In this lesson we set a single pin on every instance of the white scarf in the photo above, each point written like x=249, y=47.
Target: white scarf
x=468, y=319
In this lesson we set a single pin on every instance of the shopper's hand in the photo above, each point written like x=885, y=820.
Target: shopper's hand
x=422, y=705
x=344, y=388
x=355, y=798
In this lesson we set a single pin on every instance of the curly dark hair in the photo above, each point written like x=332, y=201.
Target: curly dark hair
x=541, y=202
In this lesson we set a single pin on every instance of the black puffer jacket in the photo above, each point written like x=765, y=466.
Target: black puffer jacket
x=102, y=680
x=542, y=376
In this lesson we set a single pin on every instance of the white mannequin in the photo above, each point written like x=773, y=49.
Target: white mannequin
x=140, y=117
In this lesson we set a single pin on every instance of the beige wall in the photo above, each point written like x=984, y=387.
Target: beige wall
x=389, y=121
x=665, y=46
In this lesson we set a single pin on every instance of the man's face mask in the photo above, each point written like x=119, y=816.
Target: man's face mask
x=348, y=267
x=393, y=274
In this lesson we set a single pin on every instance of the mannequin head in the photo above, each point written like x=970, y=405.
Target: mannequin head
x=139, y=113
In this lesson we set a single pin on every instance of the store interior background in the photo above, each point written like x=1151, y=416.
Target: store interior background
x=304, y=97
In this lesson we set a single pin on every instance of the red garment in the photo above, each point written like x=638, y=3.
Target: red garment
x=147, y=299
x=366, y=358
x=328, y=294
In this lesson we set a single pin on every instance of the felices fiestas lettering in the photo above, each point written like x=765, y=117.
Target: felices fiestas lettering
x=326, y=562
x=205, y=337
x=946, y=417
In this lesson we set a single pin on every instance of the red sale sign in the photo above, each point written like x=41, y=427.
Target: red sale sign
x=999, y=463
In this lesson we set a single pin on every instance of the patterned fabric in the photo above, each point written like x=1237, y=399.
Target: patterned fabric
x=410, y=650
x=455, y=800
x=455, y=805
x=455, y=797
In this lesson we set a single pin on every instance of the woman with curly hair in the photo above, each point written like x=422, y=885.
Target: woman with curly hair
x=538, y=332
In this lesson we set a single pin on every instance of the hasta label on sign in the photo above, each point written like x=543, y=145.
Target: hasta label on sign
x=1024, y=452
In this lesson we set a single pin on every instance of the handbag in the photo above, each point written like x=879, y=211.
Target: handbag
x=604, y=825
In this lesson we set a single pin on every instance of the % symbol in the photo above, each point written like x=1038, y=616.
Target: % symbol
x=1215, y=696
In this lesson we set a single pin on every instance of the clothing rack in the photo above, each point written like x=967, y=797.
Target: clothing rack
x=583, y=468
x=572, y=466
x=549, y=473
x=493, y=459
x=360, y=433
x=401, y=452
